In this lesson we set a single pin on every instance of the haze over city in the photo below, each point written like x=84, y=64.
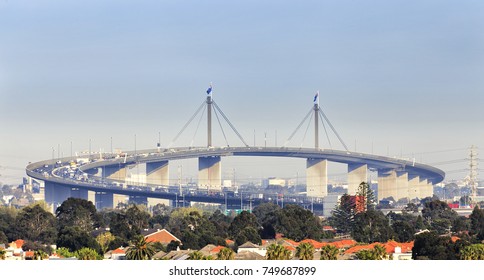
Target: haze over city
x=400, y=78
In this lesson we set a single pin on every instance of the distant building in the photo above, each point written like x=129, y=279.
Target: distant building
x=273, y=181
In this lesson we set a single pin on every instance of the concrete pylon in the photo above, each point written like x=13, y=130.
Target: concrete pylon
x=114, y=172
x=316, y=177
x=413, y=186
x=109, y=200
x=157, y=173
x=426, y=189
x=357, y=173
x=55, y=194
x=210, y=173
x=387, y=186
x=84, y=194
x=402, y=185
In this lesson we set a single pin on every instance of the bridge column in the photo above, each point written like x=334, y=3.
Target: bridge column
x=387, y=184
x=357, y=173
x=157, y=173
x=84, y=194
x=114, y=172
x=413, y=186
x=210, y=173
x=402, y=185
x=109, y=200
x=316, y=177
x=426, y=189
x=136, y=199
x=55, y=194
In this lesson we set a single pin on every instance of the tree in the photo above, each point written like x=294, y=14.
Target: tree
x=140, y=249
x=305, y=251
x=329, y=252
x=40, y=255
x=225, y=254
x=34, y=223
x=477, y=223
x=77, y=212
x=87, y=254
x=377, y=253
x=266, y=214
x=297, y=223
x=472, y=252
x=371, y=226
x=104, y=239
x=243, y=220
x=438, y=215
x=2, y=254
x=366, y=196
x=74, y=239
x=431, y=246
x=277, y=252
x=64, y=252
x=247, y=234
x=342, y=218
x=197, y=255
x=7, y=222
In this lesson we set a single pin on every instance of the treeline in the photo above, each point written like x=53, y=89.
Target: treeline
x=77, y=225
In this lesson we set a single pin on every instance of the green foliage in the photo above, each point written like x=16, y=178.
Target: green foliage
x=297, y=223
x=342, y=218
x=77, y=212
x=36, y=246
x=371, y=226
x=225, y=254
x=104, y=239
x=377, y=253
x=64, y=252
x=2, y=254
x=75, y=239
x=34, y=223
x=365, y=192
x=438, y=215
x=40, y=255
x=477, y=223
x=243, y=220
x=305, y=251
x=196, y=255
x=140, y=249
x=247, y=234
x=87, y=254
x=277, y=252
x=403, y=226
x=266, y=214
x=472, y=252
x=329, y=252
x=431, y=246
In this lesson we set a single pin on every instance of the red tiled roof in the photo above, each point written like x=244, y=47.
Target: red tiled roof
x=19, y=243
x=292, y=242
x=343, y=243
x=454, y=238
x=118, y=251
x=162, y=236
x=29, y=254
x=290, y=248
x=229, y=242
x=389, y=247
x=216, y=249
x=316, y=244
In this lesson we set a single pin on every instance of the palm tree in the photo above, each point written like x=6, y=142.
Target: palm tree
x=305, y=251
x=472, y=252
x=140, y=249
x=40, y=255
x=329, y=252
x=277, y=252
x=380, y=252
x=225, y=254
x=2, y=254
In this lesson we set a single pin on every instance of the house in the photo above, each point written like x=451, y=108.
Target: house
x=117, y=254
x=247, y=255
x=251, y=247
x=211, y=250
x=163, y=236
x=178, y=255
x=395, y=250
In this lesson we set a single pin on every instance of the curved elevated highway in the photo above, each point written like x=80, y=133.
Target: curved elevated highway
x=102, y=179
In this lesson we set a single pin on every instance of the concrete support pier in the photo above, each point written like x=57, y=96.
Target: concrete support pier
x=387, y=183
x=413, y=186
x=210, y=173
x=55, y=194
x=114, y=172
x=426, y=189
x=357, y=173
x=316, y=177
x=157, y=173
x=84, y=194
x=402, y=185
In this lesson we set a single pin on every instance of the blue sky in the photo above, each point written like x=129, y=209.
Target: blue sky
x=395, y=77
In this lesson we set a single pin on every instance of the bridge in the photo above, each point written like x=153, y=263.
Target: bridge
x=103, y=180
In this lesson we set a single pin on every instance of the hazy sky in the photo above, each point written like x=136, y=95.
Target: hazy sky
x=395, y=77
